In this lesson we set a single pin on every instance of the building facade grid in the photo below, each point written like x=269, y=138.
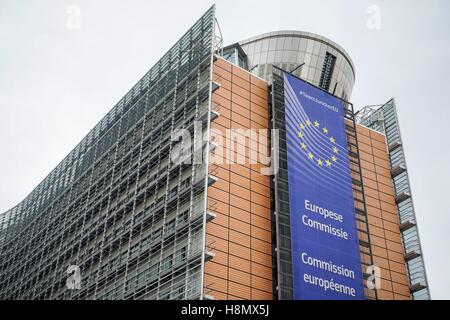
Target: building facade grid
x=116, y=207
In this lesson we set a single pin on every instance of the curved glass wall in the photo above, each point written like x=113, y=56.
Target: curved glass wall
x=326, y=64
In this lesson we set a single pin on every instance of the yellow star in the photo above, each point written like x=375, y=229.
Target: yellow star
x=335, y=150
x=332, y=140
x=310, y=156
x=328, y=163
x=302, y=126
x=303, y=145
x=333, y=158
x=300, y=135
x=316, y=124
x=325, y=130
x=319, y=162
x=308, y=122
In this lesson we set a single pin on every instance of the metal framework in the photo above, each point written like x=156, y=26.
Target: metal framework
x=218, y=38
x=384, y=119
x=116, y=206
x=280, y=199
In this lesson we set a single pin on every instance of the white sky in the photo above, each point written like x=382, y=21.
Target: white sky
x=56, y=82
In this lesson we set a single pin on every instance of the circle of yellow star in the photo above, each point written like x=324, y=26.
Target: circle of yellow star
x=303, y=145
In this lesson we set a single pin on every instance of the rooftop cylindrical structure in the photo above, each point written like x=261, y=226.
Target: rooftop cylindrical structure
x=326, y=64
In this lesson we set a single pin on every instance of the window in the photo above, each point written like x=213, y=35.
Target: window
x=166, y=263
x=186, y=183
x=165, y=296
x=180, y=255
x=183, y=217
x=134, y=248
x=170, y=226
x=178, y=293
x=156, y=235
x=160, y=200
x=173, y=192
x=146, y=241
x=327, y=71
x=153, y=271
x=230, y=56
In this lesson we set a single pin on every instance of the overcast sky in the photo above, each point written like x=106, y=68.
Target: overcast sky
x=59, y=76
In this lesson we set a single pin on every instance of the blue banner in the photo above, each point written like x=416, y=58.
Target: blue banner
x=325, y=251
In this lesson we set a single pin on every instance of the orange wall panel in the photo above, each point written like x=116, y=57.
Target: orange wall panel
x=384, y=230
x=240, y=235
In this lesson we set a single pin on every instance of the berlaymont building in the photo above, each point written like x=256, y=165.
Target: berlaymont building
x=226, y=172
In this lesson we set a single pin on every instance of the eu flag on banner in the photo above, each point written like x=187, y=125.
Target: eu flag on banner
x=325, y=248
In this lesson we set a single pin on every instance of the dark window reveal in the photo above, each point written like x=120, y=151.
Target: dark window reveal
x=327, y=71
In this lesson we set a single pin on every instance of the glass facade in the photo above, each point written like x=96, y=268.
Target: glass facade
x=385, y=120
x=235, y=55
x=326, y=64
x=116, y=207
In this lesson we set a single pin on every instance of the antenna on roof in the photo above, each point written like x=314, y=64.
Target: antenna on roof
x=299, y=66
x=335, y=86
x=251, y=69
